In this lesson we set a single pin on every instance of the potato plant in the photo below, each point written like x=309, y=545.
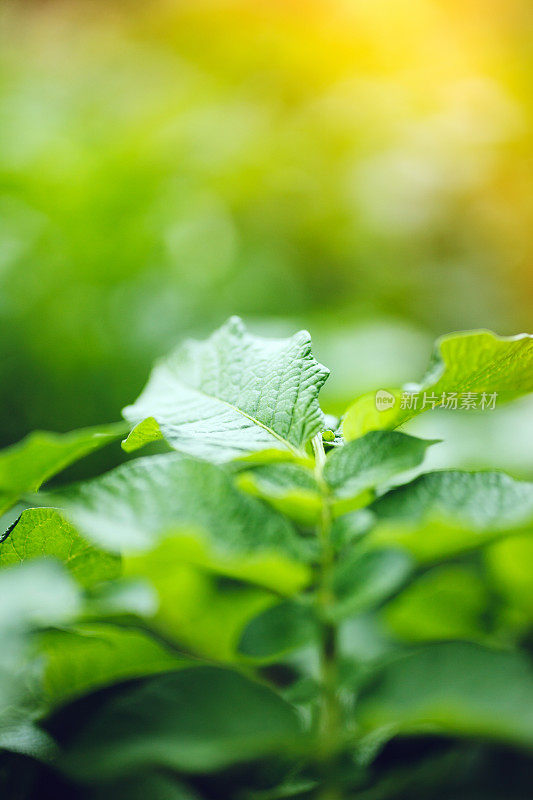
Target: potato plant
x=271, y=603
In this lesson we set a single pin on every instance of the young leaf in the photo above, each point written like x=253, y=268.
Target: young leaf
x=231, y=395
x=445, y=512
x=456, y=688
x=90, y=656
x=195, y=720
x=278, y=630
x=45, y=532
x=478, y=361
x=289, y=488
x=41, y=455
x=130, y=508
x=372, y=460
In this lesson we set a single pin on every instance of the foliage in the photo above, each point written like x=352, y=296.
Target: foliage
x=265, y=609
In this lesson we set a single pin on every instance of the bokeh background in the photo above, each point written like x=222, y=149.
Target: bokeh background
x=362, y=169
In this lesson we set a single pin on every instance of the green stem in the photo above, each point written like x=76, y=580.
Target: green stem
x=329, y=720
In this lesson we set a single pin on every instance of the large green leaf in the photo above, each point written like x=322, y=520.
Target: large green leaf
x=372, y=460
x=41, y=455
x=456, y=688
x=478, y=362
x=130, y=507
x=45, y=532
x=231, y=395
x=445, y=512
x=195, y=720
x=90, y=655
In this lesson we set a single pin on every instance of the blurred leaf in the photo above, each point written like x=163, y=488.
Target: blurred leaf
x=276, y=572
x=290, y=488
x=351, y=527
x=131, y=507
x=446, y=603
x=119, y=597
x=367, y=579
x=152, y=785
x=477, y=361
x=442, y=513
x=232, y=394
x=200, y=611
x=510, y=564
x=273, y=456
x=278, y=630
x=36, y=594
x=91, y=655
x=27, y=739
x=456, y=688
x=45, y=532
x=372, y=460
x=41, y=455
x=196, y=720
x=33, y=595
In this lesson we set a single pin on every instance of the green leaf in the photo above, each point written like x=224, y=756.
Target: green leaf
x=367, y=579
x=278, y=630
x=445, y=512
x=45, y=532
x=231, y=395
x=131, y=507
x=448, y=602
x=150, y=785
x=36, y=594
x=372, y=460
x=25, y=738
x=195, y=720
x=510, y=566
x=41, y=455
x=33, y=595
x=90, y=656
x=197, y=610
x=289, y=488
x=272, y=570
x=126, y=596
x=455, y=688
x=477, y=361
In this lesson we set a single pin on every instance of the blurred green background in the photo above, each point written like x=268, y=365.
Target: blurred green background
x=360, y=169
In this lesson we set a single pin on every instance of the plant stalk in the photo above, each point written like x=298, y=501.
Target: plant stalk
x=329, y=719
